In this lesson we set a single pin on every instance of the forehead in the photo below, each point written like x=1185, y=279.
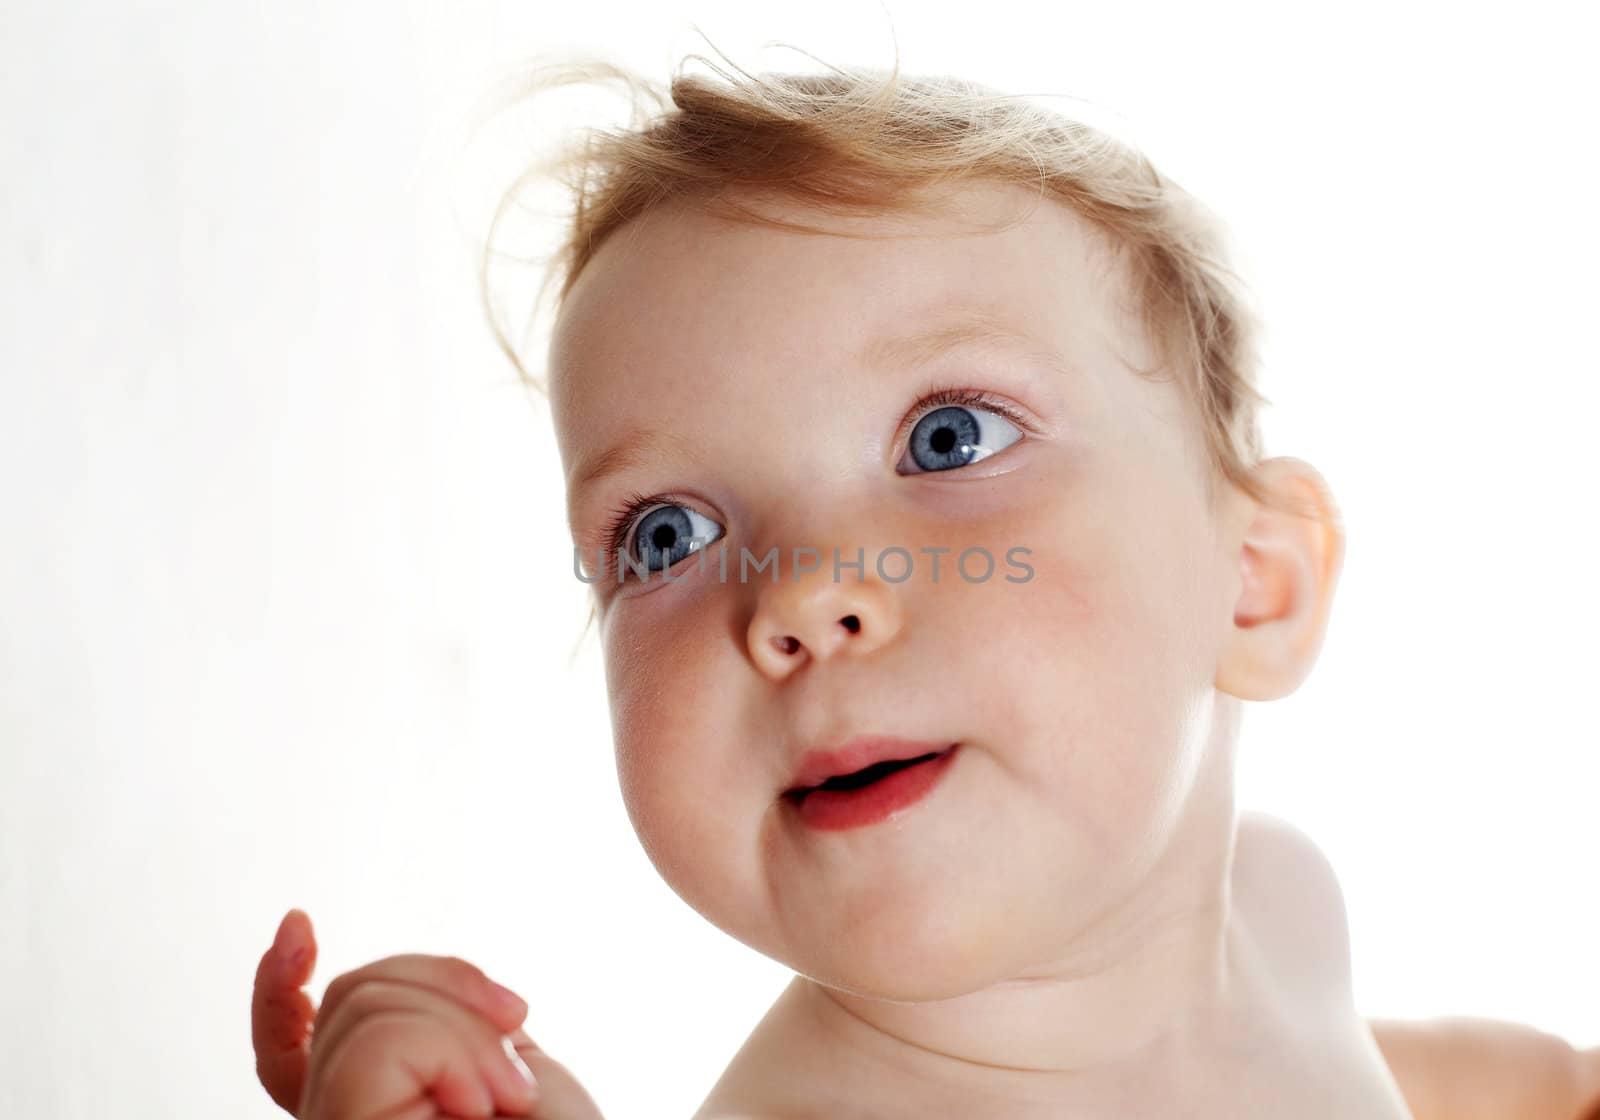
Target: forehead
x=681, y=303
x=683, y=278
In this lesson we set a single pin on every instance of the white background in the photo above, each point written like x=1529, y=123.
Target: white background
x=286, y=587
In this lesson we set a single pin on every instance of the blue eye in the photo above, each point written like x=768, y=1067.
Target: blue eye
x=957, y=435
x=661, y=537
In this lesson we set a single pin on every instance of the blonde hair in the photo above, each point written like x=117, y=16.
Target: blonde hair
x=865, y=141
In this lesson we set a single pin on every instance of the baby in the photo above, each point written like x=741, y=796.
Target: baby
x=912, y=460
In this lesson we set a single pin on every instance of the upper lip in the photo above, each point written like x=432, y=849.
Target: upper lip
x=817, y=766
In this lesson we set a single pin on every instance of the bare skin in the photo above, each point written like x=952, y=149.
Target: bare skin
x=409, y=1037
x=1284, y=1024
x=1076, y=922
x=805, y=1060
x=1470, y=1068
x=1448, y=1069
x=1071, y=924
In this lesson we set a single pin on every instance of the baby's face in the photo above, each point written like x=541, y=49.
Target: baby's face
x=737, y=364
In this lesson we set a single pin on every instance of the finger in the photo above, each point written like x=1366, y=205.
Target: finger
x=281, y=1014
x=514, y=1084
x=451, y=977
x=561, y=1095
x=453, y=1026
x=1589, y=1061
x=466, y=1074
x=378, y=996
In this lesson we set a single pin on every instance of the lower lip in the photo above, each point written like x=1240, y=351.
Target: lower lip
x=832, y=810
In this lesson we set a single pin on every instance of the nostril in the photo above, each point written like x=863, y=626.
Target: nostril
x=788, y=643
x=851, y=623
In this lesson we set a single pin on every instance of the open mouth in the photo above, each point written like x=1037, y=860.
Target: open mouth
x=865, y=776
x=869, y=795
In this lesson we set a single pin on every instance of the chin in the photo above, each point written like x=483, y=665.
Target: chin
x=934, y=962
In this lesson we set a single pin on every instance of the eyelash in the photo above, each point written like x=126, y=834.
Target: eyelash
x=635, y=504
x=946, y=395
x=622, y=519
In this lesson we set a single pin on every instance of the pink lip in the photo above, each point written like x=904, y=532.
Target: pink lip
x=831, y=810
x=818, y=766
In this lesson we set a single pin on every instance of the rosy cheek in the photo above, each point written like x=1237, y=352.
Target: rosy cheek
x=647, y=746
x=662, y=717
x=636, y=724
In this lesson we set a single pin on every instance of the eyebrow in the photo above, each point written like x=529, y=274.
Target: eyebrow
x=633, y=449
x=967, y=327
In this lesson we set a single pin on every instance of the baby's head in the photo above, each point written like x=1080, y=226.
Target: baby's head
x=999, y=359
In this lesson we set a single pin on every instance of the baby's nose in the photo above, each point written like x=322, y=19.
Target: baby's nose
x=819, y=616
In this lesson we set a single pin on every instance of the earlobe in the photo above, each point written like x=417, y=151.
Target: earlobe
x=1290, y=554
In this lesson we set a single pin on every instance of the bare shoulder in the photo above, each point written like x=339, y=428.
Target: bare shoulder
x=1289, y=895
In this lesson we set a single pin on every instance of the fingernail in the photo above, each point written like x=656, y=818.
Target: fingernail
x=520, y=1065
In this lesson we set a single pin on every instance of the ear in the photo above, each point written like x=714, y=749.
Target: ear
x=1288, y=568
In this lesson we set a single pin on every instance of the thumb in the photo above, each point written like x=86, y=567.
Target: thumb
x=561, y=1095
x=281, y=1014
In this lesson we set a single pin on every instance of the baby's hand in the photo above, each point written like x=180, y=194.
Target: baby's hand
x=410, y=1037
